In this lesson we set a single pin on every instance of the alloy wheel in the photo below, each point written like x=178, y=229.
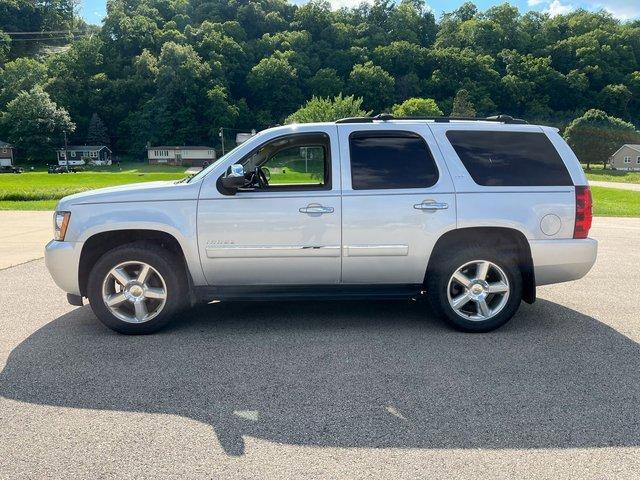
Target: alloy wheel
x=134, y=292
x=478, y=290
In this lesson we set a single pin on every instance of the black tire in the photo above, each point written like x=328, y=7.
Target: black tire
x=444, y=266
x=167, y=264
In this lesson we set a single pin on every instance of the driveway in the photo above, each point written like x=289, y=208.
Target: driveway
x=619, y=185
x=23, y=236
x=328, y=390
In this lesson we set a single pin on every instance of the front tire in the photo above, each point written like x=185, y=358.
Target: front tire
x=137, y=288
x=476, y=289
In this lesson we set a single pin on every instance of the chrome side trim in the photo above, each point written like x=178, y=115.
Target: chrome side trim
x=376, y=250
x=272, y=251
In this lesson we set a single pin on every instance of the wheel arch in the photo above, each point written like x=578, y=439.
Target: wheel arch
x=501, y=237
x=99, y=243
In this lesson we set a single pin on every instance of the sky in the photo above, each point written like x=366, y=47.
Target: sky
x=94, y=10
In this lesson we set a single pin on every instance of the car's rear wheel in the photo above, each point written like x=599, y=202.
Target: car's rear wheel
x=137, y=288
x=476, y=289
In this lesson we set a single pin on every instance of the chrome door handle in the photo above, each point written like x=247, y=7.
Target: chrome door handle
x=316, y=209
x=431, y=205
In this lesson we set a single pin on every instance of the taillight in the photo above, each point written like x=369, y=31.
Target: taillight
x=583, y=212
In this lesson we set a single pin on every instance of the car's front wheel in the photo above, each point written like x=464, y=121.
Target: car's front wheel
x=476, y=289
x=137, y=288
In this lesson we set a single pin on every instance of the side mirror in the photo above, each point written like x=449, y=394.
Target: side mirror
x=235, y=178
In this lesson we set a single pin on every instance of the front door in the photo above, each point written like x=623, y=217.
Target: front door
x=398, y=199
x=285, y=231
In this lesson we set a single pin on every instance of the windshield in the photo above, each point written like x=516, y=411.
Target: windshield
x=204, y=171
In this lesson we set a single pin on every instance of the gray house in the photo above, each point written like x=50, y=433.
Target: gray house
x=6, y=154
x=85, y=154
x=627, y=157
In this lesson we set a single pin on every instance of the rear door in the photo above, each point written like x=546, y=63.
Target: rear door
x=397, y=200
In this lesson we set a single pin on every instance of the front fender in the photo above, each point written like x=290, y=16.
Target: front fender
x=176, y=218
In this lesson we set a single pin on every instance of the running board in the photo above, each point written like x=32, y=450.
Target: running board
x=262, y=293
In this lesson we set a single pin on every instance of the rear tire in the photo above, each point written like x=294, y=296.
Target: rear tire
x=476, y=288
x=137, y=288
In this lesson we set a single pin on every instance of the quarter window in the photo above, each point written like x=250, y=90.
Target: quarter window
x=498, y=158
x=390, y=159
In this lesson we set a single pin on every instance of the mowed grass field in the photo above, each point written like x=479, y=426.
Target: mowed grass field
x=40, y=190
x=597, y=172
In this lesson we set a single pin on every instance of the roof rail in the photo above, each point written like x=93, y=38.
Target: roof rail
x=387, y=116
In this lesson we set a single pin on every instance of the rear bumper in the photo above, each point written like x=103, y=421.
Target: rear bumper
x=556, y=261
x=62, y=260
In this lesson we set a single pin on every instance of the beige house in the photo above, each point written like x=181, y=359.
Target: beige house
x=627, y=157
x=196, y=156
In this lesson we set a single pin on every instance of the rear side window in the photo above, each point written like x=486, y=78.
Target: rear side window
x=515, y=159
x=391, y=159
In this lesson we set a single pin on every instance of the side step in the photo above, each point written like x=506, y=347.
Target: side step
x=263, y=293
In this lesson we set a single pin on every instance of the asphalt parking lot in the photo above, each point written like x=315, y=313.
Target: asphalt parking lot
x=328, y=390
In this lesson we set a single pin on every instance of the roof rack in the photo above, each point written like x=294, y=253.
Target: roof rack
x=387, y=116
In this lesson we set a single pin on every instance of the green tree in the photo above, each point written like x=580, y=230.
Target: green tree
x=273, y=83
x=595, y=136
x=462, y=105
x=325, y=83
x=179, y=111
x=21, y=74
x=614, y=99
x=35, y=124
x=97, y=133
x=5, y=45
x=328, y=110
x=373, y=84
x=417, y=107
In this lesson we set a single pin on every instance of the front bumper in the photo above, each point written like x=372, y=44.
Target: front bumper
x=556, y=261
x=62, y=260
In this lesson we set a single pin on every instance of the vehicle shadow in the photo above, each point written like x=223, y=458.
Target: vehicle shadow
x=376, y=374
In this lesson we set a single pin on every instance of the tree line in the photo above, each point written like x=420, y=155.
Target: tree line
x=174, y=72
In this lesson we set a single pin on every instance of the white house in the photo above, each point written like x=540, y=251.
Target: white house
x=184, y=155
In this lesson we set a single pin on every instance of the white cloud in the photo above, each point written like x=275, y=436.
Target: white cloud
x=557, y=8
x=535, y=3
x=622, y=9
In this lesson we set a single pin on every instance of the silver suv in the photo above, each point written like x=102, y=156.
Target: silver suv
x=471, y=214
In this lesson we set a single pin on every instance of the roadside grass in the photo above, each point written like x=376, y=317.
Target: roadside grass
x=42, y=205
x=36, y=186
x=614, y=202
x=597, y=172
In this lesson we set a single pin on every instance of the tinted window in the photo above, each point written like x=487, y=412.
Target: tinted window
x=509, y=158
x=381, y=160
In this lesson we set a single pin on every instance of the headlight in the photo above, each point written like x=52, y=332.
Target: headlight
x=60, y=224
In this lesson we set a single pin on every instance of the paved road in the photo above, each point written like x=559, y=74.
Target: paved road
x=619, y=185
x=328, y=390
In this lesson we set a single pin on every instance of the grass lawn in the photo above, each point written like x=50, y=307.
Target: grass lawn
x=613, y=202
x=608, y=175
x=40, y=190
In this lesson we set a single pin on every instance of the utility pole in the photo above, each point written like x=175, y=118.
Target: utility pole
x=66, y=152
x=221, y=134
